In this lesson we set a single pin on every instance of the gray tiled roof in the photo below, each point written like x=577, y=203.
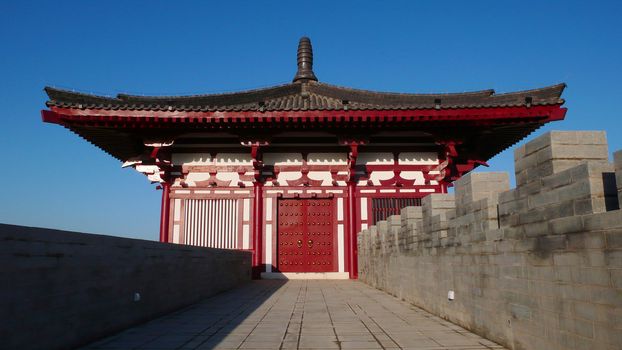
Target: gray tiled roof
x=309, y=95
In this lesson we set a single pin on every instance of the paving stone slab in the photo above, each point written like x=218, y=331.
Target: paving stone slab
x=298, y=315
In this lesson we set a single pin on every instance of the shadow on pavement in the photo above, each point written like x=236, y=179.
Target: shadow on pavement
x=205, y=325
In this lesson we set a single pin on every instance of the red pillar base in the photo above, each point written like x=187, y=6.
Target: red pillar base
x=256, y=272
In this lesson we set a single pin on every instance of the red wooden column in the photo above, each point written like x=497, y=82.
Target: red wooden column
x=164, y=211
x=353, y=246
x=257, y=222
x=350, y=241
x=258, y=266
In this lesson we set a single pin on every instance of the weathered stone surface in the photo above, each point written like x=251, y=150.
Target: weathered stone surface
x=617, y=160
x=299, y=315
x=536, y=267
x=62, y=289
x=557, y=151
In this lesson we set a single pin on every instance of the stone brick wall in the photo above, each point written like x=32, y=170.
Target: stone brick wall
x=59, y=289
x=535, y=267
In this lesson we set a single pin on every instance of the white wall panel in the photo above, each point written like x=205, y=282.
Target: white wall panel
x=427, y=158
x=282, y=158
x=375, y=158
x=191, y=158
x=327, y=158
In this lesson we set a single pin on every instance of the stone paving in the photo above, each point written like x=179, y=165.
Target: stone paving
x=271, y=314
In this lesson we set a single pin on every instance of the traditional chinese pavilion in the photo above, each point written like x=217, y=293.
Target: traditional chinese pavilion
x=293, y=172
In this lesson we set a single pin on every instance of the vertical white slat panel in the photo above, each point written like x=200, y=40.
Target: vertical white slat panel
x=226, y=218
x=176, y=209
x=191, y=222
x=223, y=221
x=215, y=220
x=208, y=223
x=186, y=221
x=211, y=216
x=235, y=225
x=211, y=222
x=202, y=221
x=247, y=209
x=246, y=237
x=231, y=217
x=363, y=208
x=232, y=223
x=218, y=223
x=197, y=222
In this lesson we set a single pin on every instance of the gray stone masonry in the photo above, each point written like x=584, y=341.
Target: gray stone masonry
x=556, y=151
x=62, y=289
x=617, y=160
x=534, y=267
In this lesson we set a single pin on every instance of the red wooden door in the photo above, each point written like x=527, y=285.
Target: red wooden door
x=306, y=238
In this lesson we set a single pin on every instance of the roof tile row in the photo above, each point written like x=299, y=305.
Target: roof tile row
x=307, y=96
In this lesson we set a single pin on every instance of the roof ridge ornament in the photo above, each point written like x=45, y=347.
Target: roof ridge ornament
x=305, y=62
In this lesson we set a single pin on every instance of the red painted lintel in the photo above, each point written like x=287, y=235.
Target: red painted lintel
x=543, y=113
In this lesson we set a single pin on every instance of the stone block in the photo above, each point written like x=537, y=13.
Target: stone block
x=519, y=152
x=537, y=144
x=556, y=180
x=513, y=207
x=477, y=191
x=606, y=296
x=613, y=258
x=560, y=210
x=617, y=161
x=614, y=238
x=531, y=216
x=394, y=220
x=580, y=152
x=557, y=151
x=591, y=276
x=603, y=221
x=382, y=227
x=567, y=259
x=565, y=225
x=579, y=137
x=440, y=201
x=411, y=213
x=536, y=229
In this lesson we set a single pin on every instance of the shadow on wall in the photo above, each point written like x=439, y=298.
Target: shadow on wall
x=64, y=289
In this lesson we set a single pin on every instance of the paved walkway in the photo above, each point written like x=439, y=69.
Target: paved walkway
x=298, y=315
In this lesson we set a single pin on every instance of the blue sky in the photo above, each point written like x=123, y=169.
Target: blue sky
x=52, y=178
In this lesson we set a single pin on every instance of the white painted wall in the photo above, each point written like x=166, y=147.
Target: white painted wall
x=327, y=158
x=282, y=158
x=375, y=158
x=428, y=158
x=191, y=158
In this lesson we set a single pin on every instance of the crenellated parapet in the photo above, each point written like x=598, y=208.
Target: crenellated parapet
x=533, y=267
x=617, y=160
